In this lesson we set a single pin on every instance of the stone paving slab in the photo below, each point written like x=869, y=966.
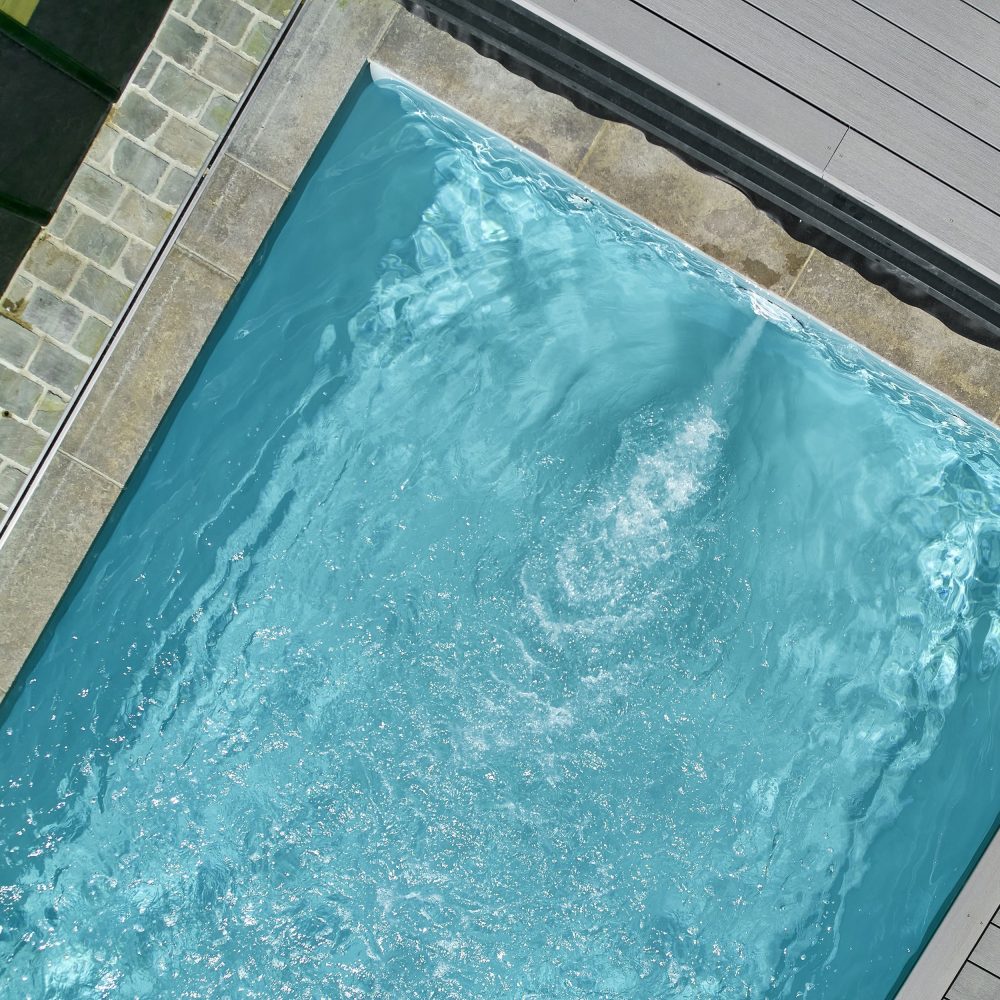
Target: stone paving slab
x=232, y=216
x=292, y=108
x=150, y=360
x=541, y=122
x=905, y=335
x=704, y=211
x=44, y=549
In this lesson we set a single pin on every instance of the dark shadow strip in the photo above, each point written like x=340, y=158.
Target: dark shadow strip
x=58, y=59
x=22, y=209
x=857, y=129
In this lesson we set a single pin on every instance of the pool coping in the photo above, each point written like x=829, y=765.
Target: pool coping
x=322, y=48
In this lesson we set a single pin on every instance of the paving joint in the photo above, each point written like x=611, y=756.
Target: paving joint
x=590, y=149
x=800, y=272
x=91, y=468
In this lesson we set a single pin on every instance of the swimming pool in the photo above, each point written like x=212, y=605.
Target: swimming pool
x=514, y=604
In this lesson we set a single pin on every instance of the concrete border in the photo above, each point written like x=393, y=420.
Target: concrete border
x=703, y=211
x=199, y=265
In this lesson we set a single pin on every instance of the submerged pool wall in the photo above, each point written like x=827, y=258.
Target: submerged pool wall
x=161, y=334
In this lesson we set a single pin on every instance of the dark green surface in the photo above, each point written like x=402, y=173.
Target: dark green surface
x=59, y=76
x=107, y=36
x=16, y=235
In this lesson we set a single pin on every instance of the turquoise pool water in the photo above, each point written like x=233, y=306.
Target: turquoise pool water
x=515, y=604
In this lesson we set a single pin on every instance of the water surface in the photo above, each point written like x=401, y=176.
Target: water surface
x=515, y=605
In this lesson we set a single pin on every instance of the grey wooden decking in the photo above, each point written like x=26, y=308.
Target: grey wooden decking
x=980, y=976
x=895, y=101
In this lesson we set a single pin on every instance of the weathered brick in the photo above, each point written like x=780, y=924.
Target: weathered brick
x=100, y=292
x=21, y=443
x=139, y=116
x=11, y=480
x=278, y=9
x=226, y=69
x=16, y=343
x=148, y=69
x=96, y=241
x=141, y=217
x=95, y=189
x=180, y=41
x=102, y=147
x=259, y=39
x=216, y=117
x=18, y=290
x=180, y=90
x=52, y=264
x=92, y=335
x=60, y=370
x=18, y=393
x=49, y=410
x=133, y=262
x=52, y=315
x=224, y=18
x=185, y=144
x=62, y=220
x=138, y=166
x=175, y=187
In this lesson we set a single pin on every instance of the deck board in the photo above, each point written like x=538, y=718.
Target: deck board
x=991, y=8
x=893, y=101
x=884, y=180
x=711, y=78
x=896, y=58
x=962, y=32
x=974, y=983
x=843, y=90
x=987, y=953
